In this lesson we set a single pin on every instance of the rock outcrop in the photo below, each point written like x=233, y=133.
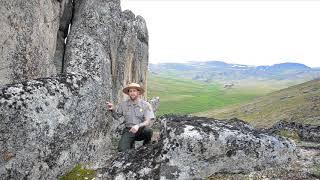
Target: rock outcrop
x=50, y=124
x=193, y=147
x=28, y=39
x=306, y=132
x=100, y=31
x=33, y=39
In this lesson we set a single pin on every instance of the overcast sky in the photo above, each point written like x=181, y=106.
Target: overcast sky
x=248, y=32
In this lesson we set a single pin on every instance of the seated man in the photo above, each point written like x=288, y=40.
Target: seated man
x=137, y=117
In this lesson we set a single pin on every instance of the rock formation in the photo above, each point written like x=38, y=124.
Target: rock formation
x=28, y=39
x=193, y=148
x=306, y=132
x=33, y=34
x=101, y=32
x=49, y=124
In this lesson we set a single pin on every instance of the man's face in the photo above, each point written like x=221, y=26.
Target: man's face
x=133, y=94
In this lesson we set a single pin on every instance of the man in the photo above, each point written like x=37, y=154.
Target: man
x=137, y=117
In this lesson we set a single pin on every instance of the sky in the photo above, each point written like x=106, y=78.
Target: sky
x=250, y=32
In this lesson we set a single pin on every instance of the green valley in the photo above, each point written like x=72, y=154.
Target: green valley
x=261, y=95
x=186, y=96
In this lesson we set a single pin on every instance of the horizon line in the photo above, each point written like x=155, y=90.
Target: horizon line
x=185, y=62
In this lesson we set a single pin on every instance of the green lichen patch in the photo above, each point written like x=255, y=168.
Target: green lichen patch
x=225, y=176
x=315, y=171
x=79, y=173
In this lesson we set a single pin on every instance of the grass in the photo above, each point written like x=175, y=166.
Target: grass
x=185, y=96
x=290, y=104
x=79, y=173
x=289, y=134
x=261, y=103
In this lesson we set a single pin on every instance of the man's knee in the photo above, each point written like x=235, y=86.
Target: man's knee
x=122, y=148
x=126, y=142
x=148, y=132
x=147, y=136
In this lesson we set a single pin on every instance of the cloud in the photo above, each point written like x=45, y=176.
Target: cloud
x=243, y=32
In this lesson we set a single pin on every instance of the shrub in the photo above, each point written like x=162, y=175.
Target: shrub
x=291, y=134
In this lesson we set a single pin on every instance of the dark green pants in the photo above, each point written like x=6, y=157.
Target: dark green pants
x=128, y=138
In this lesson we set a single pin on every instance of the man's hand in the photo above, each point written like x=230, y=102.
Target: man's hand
x=110, y=106
x=134, y=129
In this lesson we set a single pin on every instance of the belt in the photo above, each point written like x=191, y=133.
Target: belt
x=131, y=127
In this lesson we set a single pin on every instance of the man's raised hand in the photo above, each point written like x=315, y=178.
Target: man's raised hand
x=110, y=106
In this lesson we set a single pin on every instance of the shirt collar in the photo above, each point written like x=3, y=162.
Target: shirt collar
x=139, y=103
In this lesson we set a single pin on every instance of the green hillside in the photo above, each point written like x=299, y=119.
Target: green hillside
x=299, y=103
x=185, y=96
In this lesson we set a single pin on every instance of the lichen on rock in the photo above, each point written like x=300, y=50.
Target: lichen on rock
x=195, y=147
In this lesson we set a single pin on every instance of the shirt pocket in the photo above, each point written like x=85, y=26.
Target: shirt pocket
x=139, y=112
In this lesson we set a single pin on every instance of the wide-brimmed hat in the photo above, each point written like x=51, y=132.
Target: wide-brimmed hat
x=133, y=85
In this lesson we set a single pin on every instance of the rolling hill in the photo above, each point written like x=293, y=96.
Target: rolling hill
x=186, y=96
x=299, y=103
x=218, y=71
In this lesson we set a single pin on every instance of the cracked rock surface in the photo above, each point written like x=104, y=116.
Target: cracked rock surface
x=194, y=147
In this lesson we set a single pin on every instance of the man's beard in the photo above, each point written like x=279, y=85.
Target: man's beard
x=133, y=98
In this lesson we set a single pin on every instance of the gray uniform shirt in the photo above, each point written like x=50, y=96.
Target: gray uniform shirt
x=134, y=113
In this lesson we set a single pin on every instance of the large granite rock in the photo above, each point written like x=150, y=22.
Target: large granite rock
x=48, y=125
x=194, y=147
x=28, y=38
x=101, y=31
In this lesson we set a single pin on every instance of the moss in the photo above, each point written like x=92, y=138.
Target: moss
x=291, y=134
x=315, y=171
x=114, y=143
x=79, y=173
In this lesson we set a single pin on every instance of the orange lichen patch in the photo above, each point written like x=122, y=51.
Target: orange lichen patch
x=7, y=155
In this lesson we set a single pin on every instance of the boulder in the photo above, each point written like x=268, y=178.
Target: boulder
x=49, y=125
x=195, y=147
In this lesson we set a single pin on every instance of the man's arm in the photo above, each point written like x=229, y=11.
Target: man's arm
x=136, y=127
x=146, y=122
x=148, y=115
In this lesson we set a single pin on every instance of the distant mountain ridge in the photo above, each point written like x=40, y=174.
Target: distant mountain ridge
x=221, y=71
x=283, y=66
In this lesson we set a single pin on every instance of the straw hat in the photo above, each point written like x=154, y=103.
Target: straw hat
x=133, y=85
